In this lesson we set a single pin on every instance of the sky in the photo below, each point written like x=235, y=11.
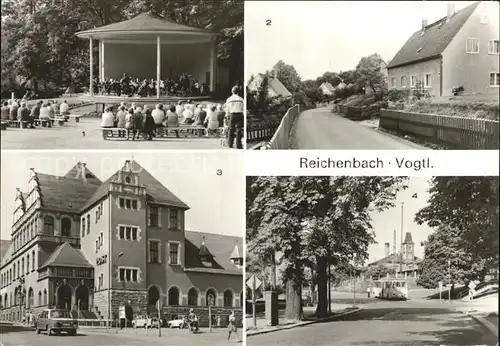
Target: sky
x=316, y=37
x=217, y=201
x=386, y=222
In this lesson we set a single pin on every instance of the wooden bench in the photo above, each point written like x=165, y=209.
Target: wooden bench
x=15, y=123
x=75, y=116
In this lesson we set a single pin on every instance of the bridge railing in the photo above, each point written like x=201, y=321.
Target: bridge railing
x=281, y=138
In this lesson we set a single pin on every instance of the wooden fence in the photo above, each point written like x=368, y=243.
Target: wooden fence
x=455, y=132
x=357, y=113
x=281, y=138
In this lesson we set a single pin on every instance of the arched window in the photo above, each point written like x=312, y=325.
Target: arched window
x=48, y=225
x=66, y=227
x=16, y=297
x=228, y=298
x=39, y=298
x=27, y=264
x=193, y=296
x=22, y=268
x=173, y=296
x=88, y=224
x=83, y=226
x=33, y=260
x=32, y=228
x=44, y=297
x=30, y=298
x=211, y=297
x=6, y=300
x=14, y=269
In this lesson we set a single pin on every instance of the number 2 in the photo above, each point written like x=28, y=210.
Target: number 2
x=268, y=22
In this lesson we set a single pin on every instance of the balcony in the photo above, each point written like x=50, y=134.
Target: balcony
x=73, y=241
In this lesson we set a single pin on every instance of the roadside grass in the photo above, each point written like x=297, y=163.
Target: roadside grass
x=483, y=106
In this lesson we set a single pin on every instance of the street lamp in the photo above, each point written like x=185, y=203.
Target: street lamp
x=21, y=293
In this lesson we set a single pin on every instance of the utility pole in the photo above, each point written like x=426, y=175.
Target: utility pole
x=401, y=249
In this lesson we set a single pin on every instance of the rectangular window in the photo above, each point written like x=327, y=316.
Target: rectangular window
x=134, y=233
x=393, y=82
x=128, y=204
x=122, y=232
x=102, y=237
x=122, y=274
x=173, y=218
x=428, y=80
x=96, y=216
x=128, y=233
x=153, y=217
x=472, y=46
x=100, y=209
x=128, y=274
x=493, y=47
x=96, y=245
x=494, y=79
x=173, y=253
x=134, y=205
x=122, y=203
x=413, y=81
x=88, y=223
x=134, y=275
x=403, y=82
x=153, y=251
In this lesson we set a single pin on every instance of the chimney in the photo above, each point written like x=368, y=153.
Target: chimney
x=450, y=11
x=387, y=250
x=127, y=166
x=425, y=22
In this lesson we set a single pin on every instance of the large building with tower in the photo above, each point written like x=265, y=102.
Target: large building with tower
x=91, y=246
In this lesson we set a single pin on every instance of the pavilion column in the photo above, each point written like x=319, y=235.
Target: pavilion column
x=102, y=61
x=213, y=63
x=91, y=68
x=158, y=65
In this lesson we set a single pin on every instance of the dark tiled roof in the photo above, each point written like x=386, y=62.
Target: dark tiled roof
x=146, y=22
x=408, y=238
x=433, y=42
x=220, y=246
x=391, y=258
x=65, y=194
x=76, y=172
x=67, y=256
x=156, y=192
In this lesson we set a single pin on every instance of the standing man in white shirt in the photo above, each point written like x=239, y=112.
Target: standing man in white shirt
x=234, y=112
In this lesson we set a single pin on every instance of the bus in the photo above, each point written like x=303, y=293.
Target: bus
x=390, y=289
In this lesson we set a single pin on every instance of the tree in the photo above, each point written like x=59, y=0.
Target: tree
x=329, y=77
x=315, y=222
x=465, y=208
x=287, y=75
x=444, y=245
x=377, y=271
x=368, y=72
x=312, y=91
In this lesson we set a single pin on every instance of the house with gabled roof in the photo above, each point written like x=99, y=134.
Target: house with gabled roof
x=275, y=88
x=327, y=89
x=91, y=246
x=460, y=49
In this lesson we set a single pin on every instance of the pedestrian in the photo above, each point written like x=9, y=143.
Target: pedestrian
x=234, y=112
x=232, y=327
x=218, y=321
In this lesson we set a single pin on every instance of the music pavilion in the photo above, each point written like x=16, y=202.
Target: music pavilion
x=92, y=246
x=150, y=46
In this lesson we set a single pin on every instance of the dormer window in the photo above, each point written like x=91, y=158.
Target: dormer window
x=128, y=180
x=204, y=254
x=236, y=258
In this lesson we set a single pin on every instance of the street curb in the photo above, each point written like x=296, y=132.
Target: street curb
x=486, y=324
x=303, y=323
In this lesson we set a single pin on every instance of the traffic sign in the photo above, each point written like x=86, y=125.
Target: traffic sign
x=254, y=282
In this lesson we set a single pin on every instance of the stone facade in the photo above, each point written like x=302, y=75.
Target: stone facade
x=119, y=298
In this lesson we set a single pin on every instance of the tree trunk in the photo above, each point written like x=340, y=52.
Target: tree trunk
x=322, y=307
x=293, y=310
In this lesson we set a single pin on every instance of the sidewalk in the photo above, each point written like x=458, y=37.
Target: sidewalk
x=484, y=311
x=263, y=326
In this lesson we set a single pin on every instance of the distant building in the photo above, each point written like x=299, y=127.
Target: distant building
x=91, y=246
x=275, y=89
x=461, y=49
x=327, y=89
x=393, y=261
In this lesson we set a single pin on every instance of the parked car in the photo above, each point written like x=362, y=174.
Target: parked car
x=145, y=322
x=178, y=322
x=57, y=321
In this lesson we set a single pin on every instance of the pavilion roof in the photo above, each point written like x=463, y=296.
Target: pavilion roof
x=145, y=23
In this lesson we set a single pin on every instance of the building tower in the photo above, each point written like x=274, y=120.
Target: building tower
x=408, y=249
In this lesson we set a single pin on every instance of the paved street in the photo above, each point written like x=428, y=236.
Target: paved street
x=87, y=135
x=319, y=128
x=414, y=322
x=17, y=336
